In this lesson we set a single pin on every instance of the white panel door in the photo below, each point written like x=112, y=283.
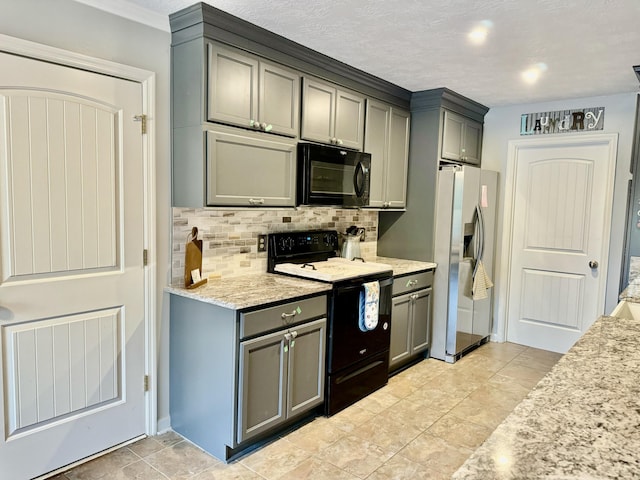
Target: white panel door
x=562, y=197
x=72, y=344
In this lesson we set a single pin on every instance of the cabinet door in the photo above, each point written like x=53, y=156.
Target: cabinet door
x=306, y=367
x=262, y=385
x=398, y=159
x=400, y=347
x=279, y=99
x=318, y=111
x=421, y=320
x=472, y=142
x=452, y=135
x=349, y=123
x=376, y=142
x=232, y=87
x=247, y=170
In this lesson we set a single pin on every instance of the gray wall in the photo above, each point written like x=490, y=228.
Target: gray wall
x=82, y=29
x=503, y=124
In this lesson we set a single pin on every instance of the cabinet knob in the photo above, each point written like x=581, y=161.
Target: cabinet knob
x=333, y=140
x=256, y=201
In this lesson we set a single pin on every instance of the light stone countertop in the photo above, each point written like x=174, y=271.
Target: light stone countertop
x=582, y=421
x=260, y=289
x=403, y=267
x=632, y=292
x=252, y=290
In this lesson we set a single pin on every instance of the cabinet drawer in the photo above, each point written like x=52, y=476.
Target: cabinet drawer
x=408, y=283
x=271, y=318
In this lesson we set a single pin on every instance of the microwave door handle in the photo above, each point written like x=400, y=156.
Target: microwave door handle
x=359, y=173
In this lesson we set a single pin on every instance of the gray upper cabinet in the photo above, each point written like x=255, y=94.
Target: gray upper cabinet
x=249, y=169
x=332, y=115
x=229, y=74
x=461, y=139
x=387, y=140
x=250, y=92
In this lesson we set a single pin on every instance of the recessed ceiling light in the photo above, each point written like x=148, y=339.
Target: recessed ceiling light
x=532, y=74
x=479, y=33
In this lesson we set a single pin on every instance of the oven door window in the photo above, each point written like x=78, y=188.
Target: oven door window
x=332, y=179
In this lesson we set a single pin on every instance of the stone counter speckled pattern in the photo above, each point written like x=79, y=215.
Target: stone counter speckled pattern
x=261, y=289
x=247, y=291
x=582, y=421
x=403, y=267
x=632, y=292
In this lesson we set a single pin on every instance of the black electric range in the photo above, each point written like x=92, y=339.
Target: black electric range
x=357, y=359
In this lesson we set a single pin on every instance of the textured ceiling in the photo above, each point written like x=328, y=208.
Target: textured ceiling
x=589, y=46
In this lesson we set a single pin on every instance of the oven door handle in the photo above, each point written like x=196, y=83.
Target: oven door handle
x=383, y=283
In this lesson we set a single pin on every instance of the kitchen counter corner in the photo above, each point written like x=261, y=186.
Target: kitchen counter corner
x=581, y=421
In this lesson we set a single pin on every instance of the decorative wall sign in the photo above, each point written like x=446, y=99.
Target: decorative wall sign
x=562, y=121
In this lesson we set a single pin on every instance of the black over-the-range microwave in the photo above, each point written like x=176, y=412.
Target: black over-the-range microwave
x=332, y=176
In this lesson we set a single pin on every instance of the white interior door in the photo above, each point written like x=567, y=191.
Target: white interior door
x=72, y=309
x=562, y=197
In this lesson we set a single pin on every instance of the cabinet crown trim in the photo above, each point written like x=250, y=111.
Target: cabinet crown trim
x=443, y=97
x=204, y=20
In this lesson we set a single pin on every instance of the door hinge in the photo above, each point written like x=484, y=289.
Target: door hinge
x=145, y=257
x=143, y=119
x=146, y=383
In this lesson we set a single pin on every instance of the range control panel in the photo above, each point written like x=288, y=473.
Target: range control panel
x=303, y=242
x=295, y=247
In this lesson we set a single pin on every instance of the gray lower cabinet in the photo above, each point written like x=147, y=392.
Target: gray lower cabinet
x=248, y=169
x=410, y=318
x=281, y=375
x=387, y=140
x=250, y=92
x=461, y=139
x=332, y=115
x=239, y=375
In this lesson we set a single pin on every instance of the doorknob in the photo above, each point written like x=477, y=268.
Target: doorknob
x=593, y=264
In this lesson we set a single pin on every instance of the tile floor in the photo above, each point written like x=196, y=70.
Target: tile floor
x=422, y=425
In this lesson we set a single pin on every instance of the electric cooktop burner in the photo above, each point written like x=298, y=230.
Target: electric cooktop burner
x=333, y=269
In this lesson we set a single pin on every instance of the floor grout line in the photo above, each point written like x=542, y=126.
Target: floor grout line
x=412, y=389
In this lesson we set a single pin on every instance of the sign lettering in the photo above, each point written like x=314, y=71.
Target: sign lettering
x=561, y=121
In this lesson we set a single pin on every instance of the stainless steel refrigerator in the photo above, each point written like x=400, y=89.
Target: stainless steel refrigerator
x=463, y=249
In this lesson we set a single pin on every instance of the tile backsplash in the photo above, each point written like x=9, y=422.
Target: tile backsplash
x=230, y=237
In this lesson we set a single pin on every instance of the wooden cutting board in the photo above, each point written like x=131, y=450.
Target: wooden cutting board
x=193, y=260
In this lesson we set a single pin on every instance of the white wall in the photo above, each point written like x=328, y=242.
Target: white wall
x=503, y=124
x=82, y=29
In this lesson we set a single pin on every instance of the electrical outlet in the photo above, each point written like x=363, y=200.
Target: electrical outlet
x=262, y=243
